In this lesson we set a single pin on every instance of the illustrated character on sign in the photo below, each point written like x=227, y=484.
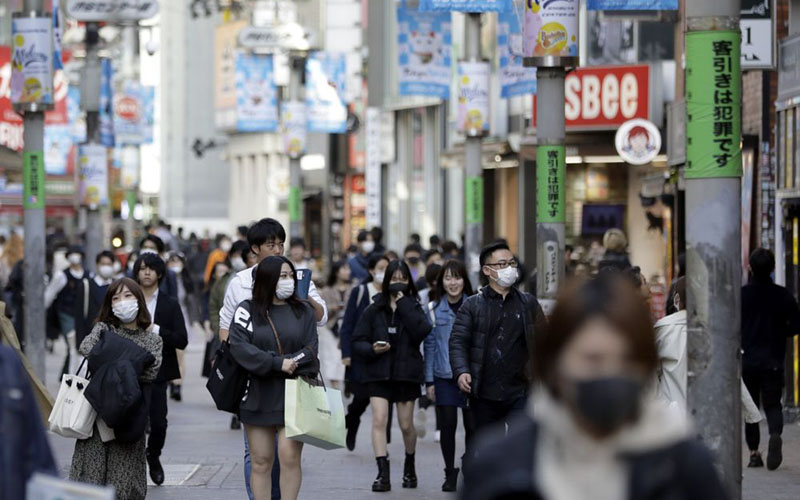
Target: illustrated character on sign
x=639, y=143
x=426, y=45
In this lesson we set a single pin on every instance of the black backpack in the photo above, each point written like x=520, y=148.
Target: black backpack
x=227, y=382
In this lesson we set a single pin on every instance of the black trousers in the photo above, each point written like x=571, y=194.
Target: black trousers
x=488, y=412
x=448, y=421
x=158, y=418
x=766, y=388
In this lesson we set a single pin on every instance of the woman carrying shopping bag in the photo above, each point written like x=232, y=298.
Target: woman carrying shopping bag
x=388, y=338
x=119, y=464
x=273, y=337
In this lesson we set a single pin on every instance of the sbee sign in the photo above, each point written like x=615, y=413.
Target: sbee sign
x=604, y=97
x=112, y=10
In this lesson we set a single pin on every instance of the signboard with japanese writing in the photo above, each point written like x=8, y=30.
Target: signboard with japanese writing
x=551, y=173
x=515, y=79
x=474, y=199
x=466, y=5
x=551, y=29
x=758, y=34
x=631, y=4
x=33, y=179
x=93, y=162
x=256, y=94
x=473, y=98
x=32, y=60
x=326, y=77
x=713, y=104
x=424, y=52
x=112, y=10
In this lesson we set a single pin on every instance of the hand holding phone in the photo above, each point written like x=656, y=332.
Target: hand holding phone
x=381, y=346
x=303, y=283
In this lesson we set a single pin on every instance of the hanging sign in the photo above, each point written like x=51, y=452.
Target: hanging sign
x=631, y=4
x=638, y=141
x=326, y=77
x=289, y=36
x=133, y=114
x=33, y=179
x=75, y=117
x=293, y=124
x=424, y=52
x=57, y=145
x=106, y=103
x=758, y=34
x=32, y=60
x=129, y=167
x=112, y=10
x=256, y=94
x=473, y=98
x=515, y=79
x=93, y=161
x=551, y=29
x=551, y=173
x=372, y=170
x=466, y=5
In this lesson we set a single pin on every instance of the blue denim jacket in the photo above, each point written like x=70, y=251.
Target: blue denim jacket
x=437, y=349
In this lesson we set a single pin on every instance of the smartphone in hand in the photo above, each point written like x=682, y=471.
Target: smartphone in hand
x=303, y=283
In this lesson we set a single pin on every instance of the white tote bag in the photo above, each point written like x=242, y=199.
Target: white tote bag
x=73, y=416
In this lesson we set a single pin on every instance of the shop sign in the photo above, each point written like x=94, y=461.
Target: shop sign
x=290, y=36
x=372, y=170
x=293, y=124
x=638, y=141
x=789, y=68
x=93, y=175
x=466, y=5
x=473, y=98
x=32, y=60
x=515, y=79
x=758, y=29
x=112, y=10
x=551, y=29
x=256, y=94
x=326, y=77
x=631, y=4
x=551, y=180
x=605, y=97
x=424, y=52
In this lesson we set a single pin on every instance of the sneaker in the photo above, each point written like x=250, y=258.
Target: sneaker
x=437, y=437
x=756, y=460
x=775, y=452
x=421, y=423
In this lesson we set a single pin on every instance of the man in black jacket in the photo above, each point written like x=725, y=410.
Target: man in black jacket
x=769, y=316
x=168, y=322
x=491, y=340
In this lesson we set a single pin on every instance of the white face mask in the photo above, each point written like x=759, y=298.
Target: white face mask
x=507, y=277
x=74, y=258
x=126, y=310
x=368, y=246
x=177, y=269
x=285, y=288
x=105, y=272
x=238, y=264
x=378, y=278
x=225, y=246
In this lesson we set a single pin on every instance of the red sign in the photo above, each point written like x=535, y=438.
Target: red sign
x=127, y=108
x=604, y=97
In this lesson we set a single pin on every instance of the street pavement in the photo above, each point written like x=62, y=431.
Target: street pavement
x=203, y=457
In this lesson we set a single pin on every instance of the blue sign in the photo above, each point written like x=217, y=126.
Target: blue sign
x=515, y=79
x=632, y=4
x=148, y=100
x=57, y=144
x=466, y=5
x=77, y=123
x=58, y=62
x=326, y=77
x=256, y=94
x=424, y=52
x=106, y=104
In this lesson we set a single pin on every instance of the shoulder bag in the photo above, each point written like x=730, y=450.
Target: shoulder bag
x=227, y=381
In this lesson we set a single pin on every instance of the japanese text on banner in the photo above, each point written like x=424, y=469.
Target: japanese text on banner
x=550, y=184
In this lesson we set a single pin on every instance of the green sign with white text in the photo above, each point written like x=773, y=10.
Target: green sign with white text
x=33, y=179
x=473, y=197
x=295, y=204
x=551, y=173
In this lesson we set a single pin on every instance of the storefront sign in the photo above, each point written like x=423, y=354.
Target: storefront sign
x=758, y=39
x=473, y=98
x=112, y=10
x=631, y=4
x=551, y=28
x=424, y=52
x=466, y=5
x=256, y=94
x=713, y=104
x=293, y=124
x=789, y=68
x=551, y=181
x=290, y=36
x=93, y=161
x=225, y=74
x=515, y=79
x=473, y=188
x=372, y=170
x=295, y=204
x=326, y=77
x=638, y=141
x=605, y=97
x=33, y=179
x=32, y=60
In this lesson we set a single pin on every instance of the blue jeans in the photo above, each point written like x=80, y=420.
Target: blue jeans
x=276, y=470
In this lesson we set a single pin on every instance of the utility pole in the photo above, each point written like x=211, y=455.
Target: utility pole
x=130, y=72
x=473, y=186
x=295, y=174
x=90, y=103
x=33, y=201
x=713, y=229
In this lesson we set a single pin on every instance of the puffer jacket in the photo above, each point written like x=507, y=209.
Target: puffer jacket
x=472, y=330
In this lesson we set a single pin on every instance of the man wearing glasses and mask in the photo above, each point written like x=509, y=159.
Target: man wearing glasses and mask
x=492, y=339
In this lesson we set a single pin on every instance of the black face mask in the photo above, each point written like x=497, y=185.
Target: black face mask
x=608, y=403
x=413, y=261
x=396, y=288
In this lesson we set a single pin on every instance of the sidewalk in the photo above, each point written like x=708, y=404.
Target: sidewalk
x=203, y=457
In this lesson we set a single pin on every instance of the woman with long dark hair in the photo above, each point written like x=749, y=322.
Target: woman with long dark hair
x=273, y=337
x=388, y=338
x=451, y=287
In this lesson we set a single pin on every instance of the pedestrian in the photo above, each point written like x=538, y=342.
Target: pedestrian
x=168, y=323
x=591, y=430
x=432, y=257
x=428, y=293
x=616, y=246
x=452, y=287
x=412, y=255
x=770, y=316
x=189, y=301
x=297, y=254
x=119, y=464
x=62, y=293
x=154, y=245
x=12, y=252
x=90, y=293
x=450, y=250
x=671, y=342
x=273, y=337
x=377, y=237
x=336, y=295
x=360, y=298
x=492, y=338
x=358, y=264
x=388, y=338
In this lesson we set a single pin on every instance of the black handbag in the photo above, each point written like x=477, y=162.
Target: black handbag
x=227, y=381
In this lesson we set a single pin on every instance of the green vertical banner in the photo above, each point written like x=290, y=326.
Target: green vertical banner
x=295, y=204
x=473, y=195
x=33, y=179
x=713, y=104
x=551, y=182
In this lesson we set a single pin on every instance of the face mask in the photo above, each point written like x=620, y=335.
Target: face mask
x=368, y=246
x=285, y=289
x=507, y=277
x=608, y=403
x=74, y=258
x=225, y=246
x=126, y=310
x=413, y=261
x=177, y=269
x=105, y=271
x=378, y=278
x=117, y=267
x=238, y=264
x=396, y=288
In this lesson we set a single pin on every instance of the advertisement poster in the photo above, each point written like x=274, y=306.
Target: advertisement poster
x=551, y=174
x=515, y=79
x=466, y=5
x=133, y=114
x=551, y=28
x=129, y=167
x=32, y=60
x=293, y=124
x=93, y=161
x=256, y=94
x=473, y=97
x=225, y=43
x=631, y=4
x=424, y=52
x=106, y=103
x=57, y=144
x=372, y=170
x=326, y=77
x=77, y=122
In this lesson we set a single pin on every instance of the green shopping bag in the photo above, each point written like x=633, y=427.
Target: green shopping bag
x=314, y=414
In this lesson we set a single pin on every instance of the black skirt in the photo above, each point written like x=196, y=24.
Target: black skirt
x=394, y=391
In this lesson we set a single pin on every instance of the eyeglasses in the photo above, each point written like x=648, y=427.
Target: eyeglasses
x=503, y=264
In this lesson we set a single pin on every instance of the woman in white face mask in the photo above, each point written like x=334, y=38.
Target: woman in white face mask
x=121, y=465
x=274, y=337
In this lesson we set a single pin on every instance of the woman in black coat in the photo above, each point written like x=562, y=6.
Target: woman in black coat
x=388, y=338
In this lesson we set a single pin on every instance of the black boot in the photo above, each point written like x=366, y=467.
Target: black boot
x=352, y=431
x=236, y=424
x=175, y=392
x=409, y=472
x=450, y=480
x=774, y=452
x=382, y=482
x=156, y=471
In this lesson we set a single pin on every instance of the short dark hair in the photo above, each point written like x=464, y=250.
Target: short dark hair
x=488, y=250
x=265, y=230
x=395, y=266
x=377, y=234
x=457, y=268
x=150, y=261
x=242, y=230
x=362, y=236
x=239, y=247
x=106, y=314
x=155, y=239
x=105, y=253
x=266, y=276
x=372, y=262
x=413, y=247
x=415, y=238
x=76, y=249
x=431, y=274
x=430, y=253
x=762, y=262
x=434, y=240
x=297, y=242
x=449, y=247
x=335, y=267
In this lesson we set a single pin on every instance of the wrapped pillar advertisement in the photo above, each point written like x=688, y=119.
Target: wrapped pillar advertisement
x=106, y=103
x=93, y=161
x=515, y=79
x=256, y=94
x=473, y=98
x=293, y=124
x=326, y=78
x=551, y=28
x=424, y=52
x=32, y=61
x=713, y=104
x=551, y=173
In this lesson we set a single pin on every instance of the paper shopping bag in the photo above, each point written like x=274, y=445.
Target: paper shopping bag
x=73, y=416
x=314, y=415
